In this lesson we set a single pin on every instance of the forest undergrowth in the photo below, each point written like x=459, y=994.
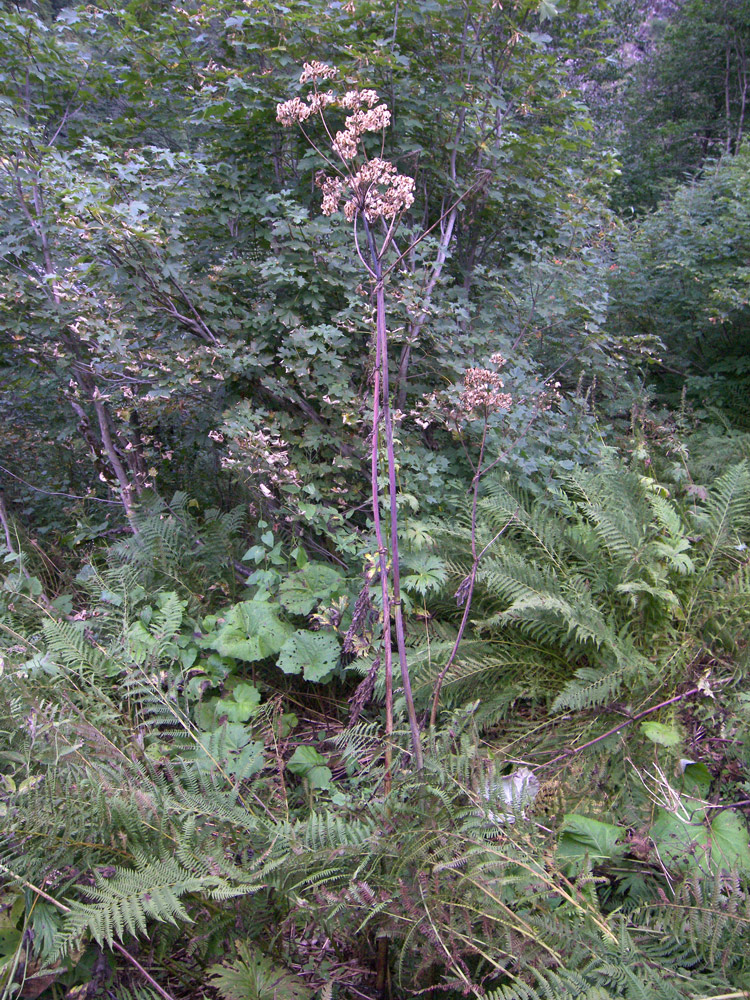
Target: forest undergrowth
x=182, y=769
x=375, y=501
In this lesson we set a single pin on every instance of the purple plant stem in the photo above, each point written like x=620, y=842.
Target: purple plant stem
x=471, y=578
x=615, y=729
x=382, y=341
x=383, y=563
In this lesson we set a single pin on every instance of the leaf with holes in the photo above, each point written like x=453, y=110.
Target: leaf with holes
x=313, y=654
x=314, y=583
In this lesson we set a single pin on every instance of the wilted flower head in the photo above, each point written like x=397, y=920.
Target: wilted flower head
x=331, y=188
x=354, y=99
x=346, y=144
x=316, y=71
x=482, y=391
x=292, y=112
x=318, y=100
x=376, y=190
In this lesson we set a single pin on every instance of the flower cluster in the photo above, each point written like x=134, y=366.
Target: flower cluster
x=316, y=71
x=346, y=143
x=376, y=190
x=355, y=99
x=293, y=111
x=482, y=392
x=332, y=188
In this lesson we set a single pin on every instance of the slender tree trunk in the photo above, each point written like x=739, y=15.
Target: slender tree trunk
x=742, y=82
x=106, y=447
x=727, y=97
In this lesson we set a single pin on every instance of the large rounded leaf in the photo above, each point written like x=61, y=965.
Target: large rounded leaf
x=312, y=654
x=303, y=590
x=251, y=631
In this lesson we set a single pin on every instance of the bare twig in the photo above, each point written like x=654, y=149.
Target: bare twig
x=615, y=729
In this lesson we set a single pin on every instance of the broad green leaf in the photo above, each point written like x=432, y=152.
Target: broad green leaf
x=427, y=573
x=684, y=839
x=582, y=837
x=313, y=654
x=696, y=779
x=666, y=736
x=241, y=706
x=256, y=552
x=310, y=765
x=303, y=590
x=547, y=9
x=10, y=939
x=251, y=631
x=730, y=841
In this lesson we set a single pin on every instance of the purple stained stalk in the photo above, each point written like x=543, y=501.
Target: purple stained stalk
x=381, y=356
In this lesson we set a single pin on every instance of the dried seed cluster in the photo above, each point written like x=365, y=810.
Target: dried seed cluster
x=376, y=189
x=482, y=391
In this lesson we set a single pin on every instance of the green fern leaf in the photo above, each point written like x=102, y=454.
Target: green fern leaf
x=254, y=976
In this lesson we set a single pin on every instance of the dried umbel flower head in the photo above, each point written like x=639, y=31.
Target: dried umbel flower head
x=292, y=112
x=482, y=391
x=354, y=99
x=346, y=144
x=318, y=100
x=376, y=190
x=332, y=188
x=317, y=71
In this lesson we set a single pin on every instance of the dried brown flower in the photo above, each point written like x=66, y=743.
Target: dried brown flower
x=482, y=391
x=292, y=112
x=346, y=144
x=316, y=71
x=331, y=188
x=376, y=190
x=355, y=99
x=318, y=101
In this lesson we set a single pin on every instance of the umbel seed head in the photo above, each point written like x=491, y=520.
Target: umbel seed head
x=375, y=189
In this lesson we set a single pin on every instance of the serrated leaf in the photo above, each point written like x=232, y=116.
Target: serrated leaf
x=730, y=840
x=313, y=654
x=427, y=573
x=254, y=976
x=313, y=583
x=252, y=631
x=241, y=706
x=582, y=837
x=684, y=840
